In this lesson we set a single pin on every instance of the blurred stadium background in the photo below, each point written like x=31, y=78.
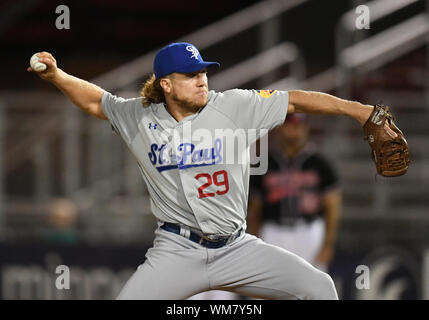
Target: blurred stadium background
x=70, y=192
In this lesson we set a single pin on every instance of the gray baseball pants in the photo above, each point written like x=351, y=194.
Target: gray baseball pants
x=177, y=268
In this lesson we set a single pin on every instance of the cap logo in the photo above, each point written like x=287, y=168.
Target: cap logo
x=194, y=51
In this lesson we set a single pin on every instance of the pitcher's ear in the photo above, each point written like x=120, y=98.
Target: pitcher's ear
x=165, y=84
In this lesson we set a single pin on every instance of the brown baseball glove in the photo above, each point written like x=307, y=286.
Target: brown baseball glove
x=390, y=154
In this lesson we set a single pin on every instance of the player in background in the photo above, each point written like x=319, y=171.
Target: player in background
x=296, y=205
x=200, y=202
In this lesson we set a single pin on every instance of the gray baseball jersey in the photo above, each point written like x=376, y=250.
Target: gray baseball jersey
x=189, y=182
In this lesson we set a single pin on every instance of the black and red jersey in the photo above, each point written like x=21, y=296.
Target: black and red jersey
x=293, y=188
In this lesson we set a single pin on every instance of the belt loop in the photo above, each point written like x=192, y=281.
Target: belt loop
x=185, y=232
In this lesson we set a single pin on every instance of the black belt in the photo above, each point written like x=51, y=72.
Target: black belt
x=205, y=242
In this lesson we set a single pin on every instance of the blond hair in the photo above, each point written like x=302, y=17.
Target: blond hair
x=152, y=91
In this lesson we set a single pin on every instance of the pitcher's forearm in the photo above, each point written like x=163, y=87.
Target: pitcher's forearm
x=87, y=96
x=322, y=103
x=332, y=202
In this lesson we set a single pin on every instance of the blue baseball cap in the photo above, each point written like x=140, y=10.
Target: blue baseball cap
x=179, y=57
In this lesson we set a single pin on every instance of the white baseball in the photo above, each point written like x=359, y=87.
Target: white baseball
x=36, y=65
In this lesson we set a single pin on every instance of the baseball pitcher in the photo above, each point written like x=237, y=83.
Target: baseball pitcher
x=177, y=131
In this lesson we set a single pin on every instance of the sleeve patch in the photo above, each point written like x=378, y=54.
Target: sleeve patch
x=266, y=93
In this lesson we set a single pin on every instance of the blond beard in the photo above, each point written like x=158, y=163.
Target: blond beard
x=187, y=104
